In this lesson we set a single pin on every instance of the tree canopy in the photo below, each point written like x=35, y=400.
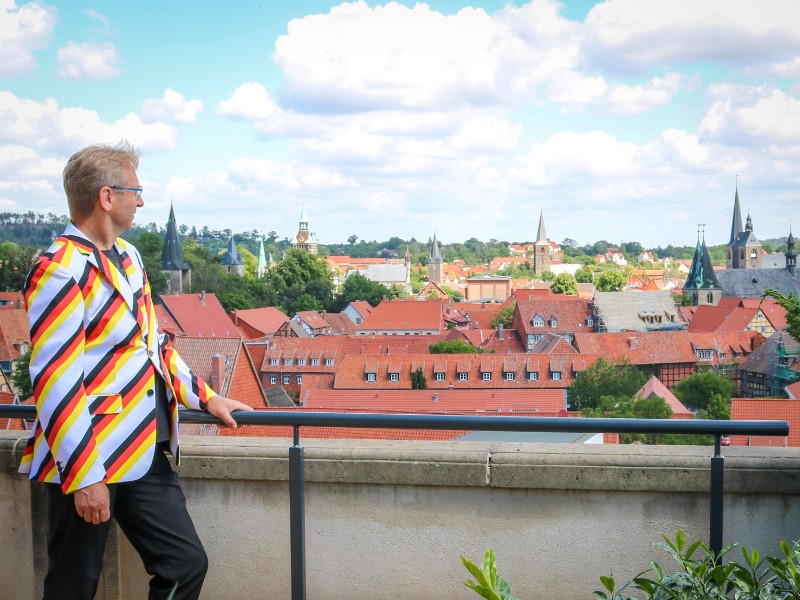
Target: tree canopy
x=564, y=283
x=604, y=378
x=697, y=390
x=610, y=281
x=454, y=347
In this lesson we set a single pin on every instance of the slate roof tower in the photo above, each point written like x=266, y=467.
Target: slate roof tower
x=744, y=249
x=232, y=259
x=435, y=262
x=701, y=283
x=173, y=265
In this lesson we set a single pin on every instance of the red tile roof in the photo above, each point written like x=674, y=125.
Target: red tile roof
x=793, y=390
x=405, y=315
x=200, y=315
x=166, y=324
x=14, y=333
x=12, y=300
x=340, y=324
x=654, y=387
x=241, y=380
x=389, y=344
x=734, y=346
x=767, y=409
x=572, y=314
x=639, y=347
x=258, y=322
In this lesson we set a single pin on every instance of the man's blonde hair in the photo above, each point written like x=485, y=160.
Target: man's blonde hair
x=90, y=169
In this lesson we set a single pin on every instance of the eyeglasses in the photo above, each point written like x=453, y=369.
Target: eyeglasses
x=138, y=190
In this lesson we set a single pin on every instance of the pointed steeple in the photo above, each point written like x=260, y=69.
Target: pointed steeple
x=701, y=274
x=541, y=236
x=791, y=255
x=172, y=254
x=436, y=255
x=232, y=256
x=736, y=225
x=263, y=265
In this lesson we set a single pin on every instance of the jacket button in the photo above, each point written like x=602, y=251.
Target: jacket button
x=150, y=392
x=151, y=353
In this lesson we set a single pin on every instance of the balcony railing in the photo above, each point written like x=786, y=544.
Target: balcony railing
x=298, y=419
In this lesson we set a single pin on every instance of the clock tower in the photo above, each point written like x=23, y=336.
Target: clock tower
x=305, y=239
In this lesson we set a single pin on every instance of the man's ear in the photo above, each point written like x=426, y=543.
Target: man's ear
x=104, y=198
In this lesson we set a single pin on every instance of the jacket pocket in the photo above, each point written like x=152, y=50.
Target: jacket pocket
x=106, y=404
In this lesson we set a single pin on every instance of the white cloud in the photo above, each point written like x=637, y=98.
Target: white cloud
x=636, y=99
x=88, y=61
x=23, y=29
x=46, y=126
x=389, y=57
x=172, y=106
x=744, y=115
x=635, y=34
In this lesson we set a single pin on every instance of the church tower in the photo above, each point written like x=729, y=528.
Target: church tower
x=744, y=249
x=173, y=265
x=435, y=262
x=791, y=255
x=305, y=239
x=263, y=265
x=232, y=259
x=541, y=249
x=701, y=283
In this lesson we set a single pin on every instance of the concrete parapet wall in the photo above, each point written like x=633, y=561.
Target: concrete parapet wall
x=390, y=519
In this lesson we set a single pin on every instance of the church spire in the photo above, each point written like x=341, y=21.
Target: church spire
x=736, y=225
x=436, y=255
x=172, y=254
x=263, y=265
x=541, y=236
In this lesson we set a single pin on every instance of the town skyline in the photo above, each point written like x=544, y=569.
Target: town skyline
x=389, y=119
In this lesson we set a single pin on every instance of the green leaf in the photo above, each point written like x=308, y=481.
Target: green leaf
x=608, y=582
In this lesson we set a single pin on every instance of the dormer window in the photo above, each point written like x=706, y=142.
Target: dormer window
x=328, y=362
x=538, y=322
x=394, y=377
x=590, y=322
x=371, y=377
x=301, y=362
x=273, y=361
x=553, y=322
x=287, y=362
x=486, y=376
x=555, y=376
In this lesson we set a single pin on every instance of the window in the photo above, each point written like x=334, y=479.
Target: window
x=273, y=380
x=273, y=361
x=533, y=376
x=394, y=376
x=299, y=380
x=287, y=361
x=486, y=376
x=704, y=354
x=287, y=379
x=439, y=376
x=538, y=322
x=371, y=377
x=555, y=376
x=590, y=322
x=328, y=362
x=314, y=362
x=463, y=376
x=509, y=376
x=301, y=362
x=553, y=322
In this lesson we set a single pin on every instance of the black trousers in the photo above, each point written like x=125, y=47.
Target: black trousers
x=152, y=513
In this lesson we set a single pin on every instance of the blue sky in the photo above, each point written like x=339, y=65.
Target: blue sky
x=620, y=120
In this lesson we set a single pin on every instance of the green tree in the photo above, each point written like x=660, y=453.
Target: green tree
x=357, y=287
x=21, y=377
x=418, y=380
x=15, y=263
x=610, y=281
x=719, y=408
x=791, y=304
x=583, y=275
x=298, y=268
x=604, y=378
x=454, y=347
x=697, y=390
x=305, y=302
x=682, y=299
x=505, y=316
x=564, y=283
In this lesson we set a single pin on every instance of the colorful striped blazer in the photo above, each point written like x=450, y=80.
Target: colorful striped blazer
x=95, y=358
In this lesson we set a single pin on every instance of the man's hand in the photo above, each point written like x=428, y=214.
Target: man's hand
x=92, y=503
x=221, y=407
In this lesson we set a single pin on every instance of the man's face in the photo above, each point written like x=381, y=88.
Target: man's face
x=125, y=202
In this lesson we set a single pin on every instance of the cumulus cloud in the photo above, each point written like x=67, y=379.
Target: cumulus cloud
x=172, y=106
x=23, y=29
x=631, y=34
x=88, y=61
x=360, y=58
x=46, y=126
x=742, y=115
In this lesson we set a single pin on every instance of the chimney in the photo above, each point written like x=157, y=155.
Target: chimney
x=217, y=373
x=500, y=332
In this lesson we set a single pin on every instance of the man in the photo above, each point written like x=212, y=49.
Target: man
x=107, y=388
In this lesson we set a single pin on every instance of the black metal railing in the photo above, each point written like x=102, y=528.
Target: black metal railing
x=297, y=419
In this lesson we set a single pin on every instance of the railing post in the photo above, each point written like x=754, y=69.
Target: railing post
x=717, y=480
x=297, y=517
